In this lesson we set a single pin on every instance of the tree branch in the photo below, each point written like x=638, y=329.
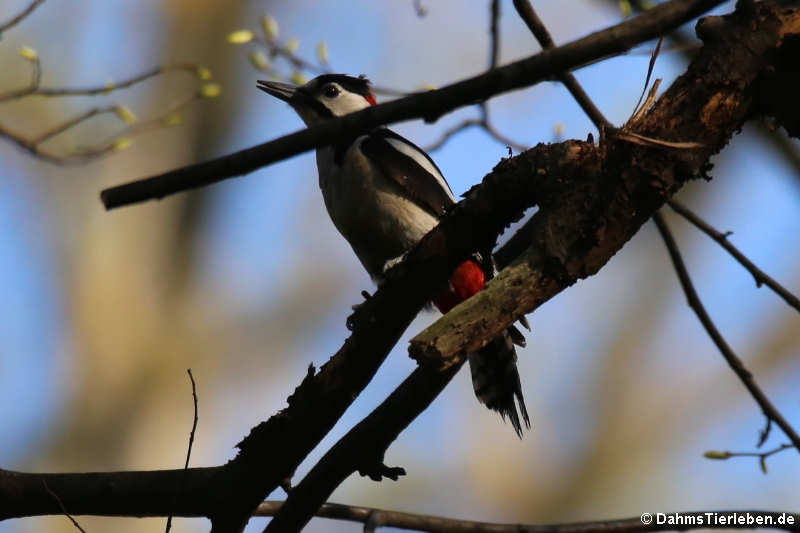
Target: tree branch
x=428, y=105
x=761, y=277
x=744, y=375
x=372, y=517
x=539, y=30
x=20, y=16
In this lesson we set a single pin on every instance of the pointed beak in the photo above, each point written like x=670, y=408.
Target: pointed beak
x=282, y=91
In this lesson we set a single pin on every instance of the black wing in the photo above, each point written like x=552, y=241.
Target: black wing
x=405, y=163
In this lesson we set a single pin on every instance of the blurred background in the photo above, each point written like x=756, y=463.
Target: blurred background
x=247, y=282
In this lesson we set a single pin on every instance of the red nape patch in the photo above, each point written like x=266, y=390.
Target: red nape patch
x=371, y=99
x=467, y=280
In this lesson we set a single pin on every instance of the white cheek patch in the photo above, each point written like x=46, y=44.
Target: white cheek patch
x=345, y=103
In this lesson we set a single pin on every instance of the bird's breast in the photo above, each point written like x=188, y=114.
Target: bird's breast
x=369, y=209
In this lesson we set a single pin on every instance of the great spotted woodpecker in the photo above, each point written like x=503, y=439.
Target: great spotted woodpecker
x=383, y=194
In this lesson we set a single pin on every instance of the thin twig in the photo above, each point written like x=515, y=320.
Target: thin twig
x=762, y=456
x=122, y=84
x=494, y=34
x=438, y=524
x=761, y=277
x=35, y=90
x=539, y=30
x=31, y=88
x=735, y=363
x=21, y=16
x=450, y=132
x=188, y=450
x=71, y=123
x=61, y=505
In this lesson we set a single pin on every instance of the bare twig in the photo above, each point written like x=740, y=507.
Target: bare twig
x=63, y=509
x=111, y=86
x=769, y=410
x=108, y=146
x=762, y=456
x=494, y=34
x=450, y=132
x=188, y=449
x=761, y=277
x=71, y=123
x=21, y=16
x=484, y=122
x=439, y=524
x=33, y=85
x=539, y=30
x=35, y=90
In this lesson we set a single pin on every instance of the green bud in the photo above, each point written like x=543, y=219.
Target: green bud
x=240, y=37
x=713, y=454
x=270, y=27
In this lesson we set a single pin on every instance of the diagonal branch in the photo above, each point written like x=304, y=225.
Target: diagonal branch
x=429, y=105
x=539, y=30
x=20, y=16
x=769, y=410
x=761, y=277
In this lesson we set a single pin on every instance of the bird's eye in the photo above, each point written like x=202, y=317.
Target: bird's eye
x=331, y=91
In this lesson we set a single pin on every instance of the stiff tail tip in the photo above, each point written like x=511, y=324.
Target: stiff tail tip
x=496, y=381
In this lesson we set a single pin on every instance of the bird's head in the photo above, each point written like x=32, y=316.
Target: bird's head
x=326, y=96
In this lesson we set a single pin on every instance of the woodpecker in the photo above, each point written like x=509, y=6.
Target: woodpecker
x=384, y=193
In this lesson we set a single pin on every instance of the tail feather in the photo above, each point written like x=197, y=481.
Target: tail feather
x=495, y=380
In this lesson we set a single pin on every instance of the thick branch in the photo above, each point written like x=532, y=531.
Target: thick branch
x=609, y=191
x=428, y=105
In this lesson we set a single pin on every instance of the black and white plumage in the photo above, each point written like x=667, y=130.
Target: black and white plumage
x=383, y=193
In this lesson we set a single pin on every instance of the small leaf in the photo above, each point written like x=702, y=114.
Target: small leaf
x=110, y=86
x=322, y=52
x=625, y=7
x=28, y=53
x=240, y=37
x=173, y=119
x=428, y=87
x=293, y=44
x=210, y=90
x=713, y=454
x=270, y=27
x=122, y=143
x=203, y=73
x=298, y=78
x=125, y=114
x=763, y=462
x=259, y=60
